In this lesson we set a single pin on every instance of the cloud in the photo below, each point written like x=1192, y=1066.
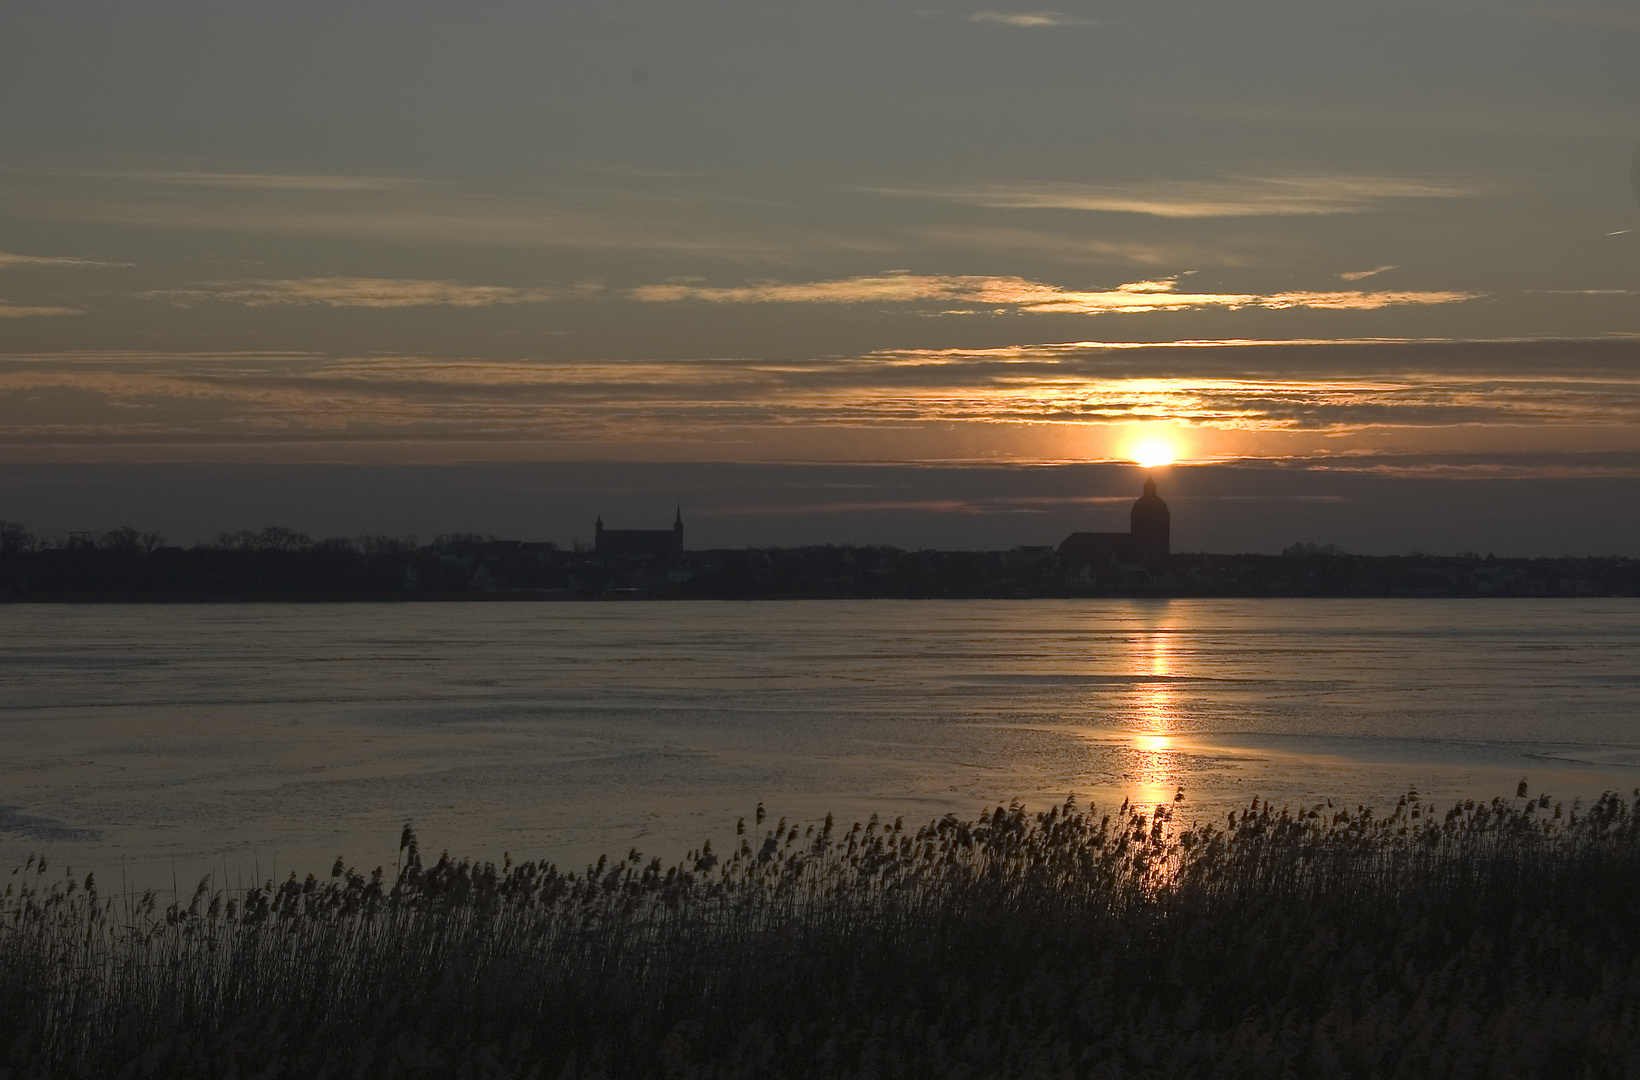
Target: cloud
x=1568, y=467
x=998, y=504
x=1414, y=114
x=1061, y=246
x=1022, y=295
x=992, y=504
x=1358, y=275
x=1584, y=16
x=643, y=172
x=22, y=311
x=1029, y=19
x=595, y=215
x=364, y=292
x=271, y=181
x=8, y=258
x=891, y=288
x=1235, y=196
x=1038, y=403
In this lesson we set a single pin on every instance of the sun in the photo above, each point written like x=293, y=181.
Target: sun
x=1154, y=453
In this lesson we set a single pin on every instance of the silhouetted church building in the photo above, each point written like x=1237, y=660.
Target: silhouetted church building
x=646, y=543
x=1149, y=534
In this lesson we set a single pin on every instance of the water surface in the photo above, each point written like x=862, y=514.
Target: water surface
x=255, y=739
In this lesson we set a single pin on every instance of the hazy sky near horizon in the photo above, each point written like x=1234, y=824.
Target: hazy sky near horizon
x=1299, y=234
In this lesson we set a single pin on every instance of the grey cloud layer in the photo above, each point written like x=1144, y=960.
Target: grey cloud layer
x=707, y=223
x=1237, y=196
x=9, y=259
x=366, y=293
x=25, y=311
x=1030, y=20
x=1024, y=404
x=289, y=182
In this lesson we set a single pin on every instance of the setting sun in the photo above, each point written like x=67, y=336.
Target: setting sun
x=1153, y=453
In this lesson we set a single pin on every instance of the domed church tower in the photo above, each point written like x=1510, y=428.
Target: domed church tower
x=1149, y=534
x=1150, y=523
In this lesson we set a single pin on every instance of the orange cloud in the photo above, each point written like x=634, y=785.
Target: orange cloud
x=1027, y=296
x=1358, y=275
x=1039, y=403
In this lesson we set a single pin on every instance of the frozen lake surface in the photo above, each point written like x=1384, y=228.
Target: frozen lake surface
x=251, y=740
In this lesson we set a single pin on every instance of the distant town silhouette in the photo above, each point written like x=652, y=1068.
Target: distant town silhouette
x=277, y=563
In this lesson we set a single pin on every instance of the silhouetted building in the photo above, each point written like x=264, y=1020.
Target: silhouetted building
x=1149, y=534
x=644, y=543
x=1149, y=522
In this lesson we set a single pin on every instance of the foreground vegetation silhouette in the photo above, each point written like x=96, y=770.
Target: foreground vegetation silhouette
x=1494, y=939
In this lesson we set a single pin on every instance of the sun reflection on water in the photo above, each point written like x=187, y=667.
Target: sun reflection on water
x=1154, y=777
x=1153, y=744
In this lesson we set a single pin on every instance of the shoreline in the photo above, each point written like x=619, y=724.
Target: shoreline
x=507, y=571
x=320, y=599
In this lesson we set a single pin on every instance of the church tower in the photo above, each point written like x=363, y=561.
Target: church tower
x=1150, y=523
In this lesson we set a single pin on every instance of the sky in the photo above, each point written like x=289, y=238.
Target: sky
x=920, y=274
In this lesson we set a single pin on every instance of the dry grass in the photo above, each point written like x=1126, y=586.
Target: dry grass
x=1496, y=939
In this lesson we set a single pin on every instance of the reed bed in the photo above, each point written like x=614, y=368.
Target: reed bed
x=1492, y=939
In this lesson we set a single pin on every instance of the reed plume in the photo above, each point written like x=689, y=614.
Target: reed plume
x=1496, y=939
